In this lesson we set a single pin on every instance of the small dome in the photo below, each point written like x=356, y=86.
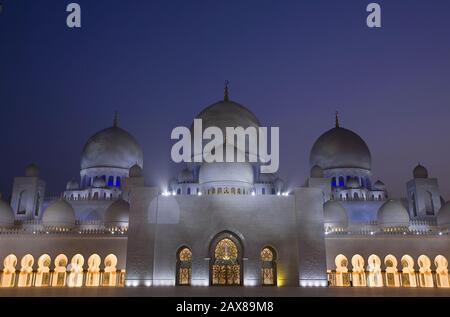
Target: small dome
x=185, y=176
x=392, y=213
x=135, y=171
x=353, y=182
x=420, y=172
x=443, y=217
x=266, y=178
x=379, y=185
x=99, y=182
x=334, y=214
x=72, y=185
x=316, y=172
x=60, y=214
x=117, y=214
x=32, y=170
x=6, y=214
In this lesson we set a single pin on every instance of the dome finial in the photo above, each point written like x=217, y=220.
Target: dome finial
x=116, y=119
x=225, y=97
x=337, y=119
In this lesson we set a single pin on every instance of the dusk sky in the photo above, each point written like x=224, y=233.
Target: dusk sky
x=159, y=63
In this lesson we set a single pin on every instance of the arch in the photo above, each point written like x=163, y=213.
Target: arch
x=429, y=204
x=441, y=264
x=392, y=278
x=375, y=278
x=358, y=272
x=60, y=271
x=43, y=271
x=95, y=196
x=333, y=182
x=355, y=196
x=226, y=264
x=263, y=191
x=425, y=275
x=20, y=203
x=9, y=271
x=110, y=181
x=408, y=273
x=341, y=181
x=188, y=191
x=268, y=266
x=93, y=273
x=110, y=274
x=179, y=191
x=76, y=271
x=342, y=275
x=26, y=271
x=184, y=266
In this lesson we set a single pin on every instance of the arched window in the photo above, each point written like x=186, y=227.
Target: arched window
x=263, y=191
x=392, y=276
x=226, y=260
x=219, y=191
x=408, y=274
x=189, y=191
x=38, y=204
x=43, y=271
x=374, y=270
x=184, y=270
x=9, y=271
x=111, y=181
x=425, y=275
x=76, y=271
x=20, y=205
x=273, y=191
x=268, y=267
x=110, y=274
x=355, y=196
x=239, y=191
x=429, y=204
x=93, y=273
x=441, y=264
x=96, y=195
x=26, y=271
x=341, y=181
x=118, y=181
x=342, y=275
x=179, y=191
x=413, y=202
x=358, y=272
x=333, y=182
x=59, y=273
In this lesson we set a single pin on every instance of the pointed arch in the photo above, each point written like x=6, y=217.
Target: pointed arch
x=110, y=274
x=441, y=264
x=425, y=275
x=9, y=271
x=268, y=266
x=93, y=273
x=358, y=272
x=408, y=273
x=184, y=266
x=375, y=278
x=26, y=271
x=342, y=275
x=43, y=271
x=392, y=278
x=226, y=254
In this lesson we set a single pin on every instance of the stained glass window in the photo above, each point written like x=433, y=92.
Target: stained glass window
x=226, y=268
x=184, y=267
x=268, y=267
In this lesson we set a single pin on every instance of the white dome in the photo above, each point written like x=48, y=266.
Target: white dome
x=6, y=214
x=135, y=171
x=112, y=147
x=60, y=214
x=226, y=173
x=99, y=182
x=72, y=185
x=185, y=176
x=443, y=217
x=392, y=213
x=32, y=170
x=334, y=214
x=117, y=214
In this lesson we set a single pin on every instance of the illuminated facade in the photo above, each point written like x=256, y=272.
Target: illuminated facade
x=224, y=224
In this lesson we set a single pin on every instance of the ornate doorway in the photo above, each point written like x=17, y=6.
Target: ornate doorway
x=226, y=264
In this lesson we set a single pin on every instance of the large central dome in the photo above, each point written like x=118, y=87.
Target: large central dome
x=111, y=147
x=340, y=148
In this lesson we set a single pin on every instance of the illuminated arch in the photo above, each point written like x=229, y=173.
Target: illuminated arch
x=342, y=275
x=9, y=271
x=226, y=264
x=26, y=271
x=269, y=266
x=93, y=273
x=184, y=266
x=60, y=271
x=375, y=278
x=408, y=273
x=392, y=277
x=76, y=271
x=358, y=272
x=425, y=275
x=441, y=264
x=43, y=271
x=110, y=273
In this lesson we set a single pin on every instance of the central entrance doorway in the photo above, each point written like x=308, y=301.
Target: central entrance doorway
x=226, y=261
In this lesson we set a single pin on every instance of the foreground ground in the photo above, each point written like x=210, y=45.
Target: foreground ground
x=224, y=292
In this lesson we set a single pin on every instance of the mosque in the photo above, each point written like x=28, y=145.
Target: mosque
x=224, y=223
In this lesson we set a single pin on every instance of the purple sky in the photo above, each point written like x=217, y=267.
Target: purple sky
x=159, y=63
